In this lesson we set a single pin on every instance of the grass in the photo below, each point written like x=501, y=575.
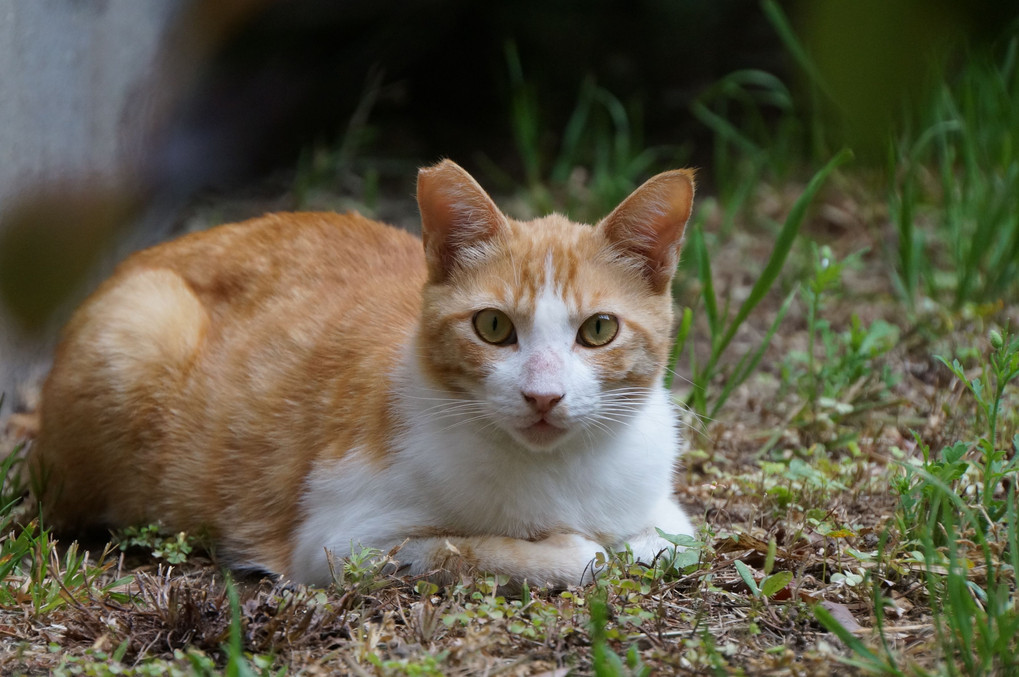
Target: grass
x=600, y=158
x=722, y=329
x=954, y=186
x=854, y=471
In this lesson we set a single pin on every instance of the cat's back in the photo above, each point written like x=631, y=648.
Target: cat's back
x=242, y=267
x=292, y=283
x=226, y=359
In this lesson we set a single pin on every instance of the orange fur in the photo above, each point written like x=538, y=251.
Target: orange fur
x=225, y=399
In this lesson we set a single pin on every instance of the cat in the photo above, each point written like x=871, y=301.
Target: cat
x=486, y=398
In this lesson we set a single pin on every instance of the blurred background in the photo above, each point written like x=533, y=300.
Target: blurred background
x=127, y=122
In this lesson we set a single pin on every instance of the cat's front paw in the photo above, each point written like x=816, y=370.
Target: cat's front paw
x=579, y=559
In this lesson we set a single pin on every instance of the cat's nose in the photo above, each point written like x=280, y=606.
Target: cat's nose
x=542, y=403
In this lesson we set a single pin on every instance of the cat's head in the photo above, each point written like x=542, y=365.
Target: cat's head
x=547, y=327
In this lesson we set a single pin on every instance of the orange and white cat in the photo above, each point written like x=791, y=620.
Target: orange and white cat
x=307, y=382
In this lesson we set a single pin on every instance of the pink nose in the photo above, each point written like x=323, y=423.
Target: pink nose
x=542, y=403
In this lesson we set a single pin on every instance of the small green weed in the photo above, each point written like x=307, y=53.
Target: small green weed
x=686, y=556
x=924, y=486
x=847, y=379
x=172, y=548
x=528, y=616
x=605, y=661
x=427, y=665
x=769, y=586
x=365, y=571
x=954, y=513
x=988, y=390
x=922, y=491
x=33, y=573
x=976, y=617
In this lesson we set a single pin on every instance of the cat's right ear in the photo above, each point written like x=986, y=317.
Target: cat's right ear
x=456, y=216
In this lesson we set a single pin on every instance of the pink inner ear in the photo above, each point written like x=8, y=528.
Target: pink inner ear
x=456, y=213
x=648, y=225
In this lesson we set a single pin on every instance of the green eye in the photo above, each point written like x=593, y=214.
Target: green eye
x=598, y=330
x=494, y=326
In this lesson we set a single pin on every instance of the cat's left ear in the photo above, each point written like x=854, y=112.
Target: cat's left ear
x=647, y=227
x=456, y=216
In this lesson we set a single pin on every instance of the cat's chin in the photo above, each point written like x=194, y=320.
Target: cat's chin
x=542, y=436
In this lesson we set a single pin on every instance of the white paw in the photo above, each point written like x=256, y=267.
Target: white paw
x=578, y=556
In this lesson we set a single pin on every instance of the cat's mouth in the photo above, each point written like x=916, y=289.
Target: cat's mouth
x=542, y=433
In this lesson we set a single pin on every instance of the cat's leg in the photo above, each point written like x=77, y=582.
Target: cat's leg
x=558, y=561
x=668, y=516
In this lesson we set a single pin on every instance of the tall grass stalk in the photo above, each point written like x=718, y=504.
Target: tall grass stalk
x=817, y=90
x=963, y=214
x=721, y=328
x=602, y=137
x=748, y=144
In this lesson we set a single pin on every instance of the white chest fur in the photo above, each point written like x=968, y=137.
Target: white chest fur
x=457, y=476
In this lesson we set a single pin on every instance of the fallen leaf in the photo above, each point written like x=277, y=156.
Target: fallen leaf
x=843, y=615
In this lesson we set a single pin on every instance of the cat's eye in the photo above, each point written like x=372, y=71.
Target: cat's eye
x=598, y=330
x=495, y=327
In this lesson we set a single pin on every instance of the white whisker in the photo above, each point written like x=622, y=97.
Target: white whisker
x=601, y=427
x=676, y=375
x=614, y=420
x=469, y=421
x=453, y=408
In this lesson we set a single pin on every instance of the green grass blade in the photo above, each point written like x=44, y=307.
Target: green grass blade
x=10, y=482
x=870, y=661
x=685, y=323
x=783, y=244
x=758, y=87
x=525, y=115
x=237, y=665
x=1012, y=531
x=748, y=364
x=700, y=254
x=725, y=129
x=698, y=384
x=574, y=132
x=605, y=661
x=621, y=124
x=778, y=20
x=901, y=203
